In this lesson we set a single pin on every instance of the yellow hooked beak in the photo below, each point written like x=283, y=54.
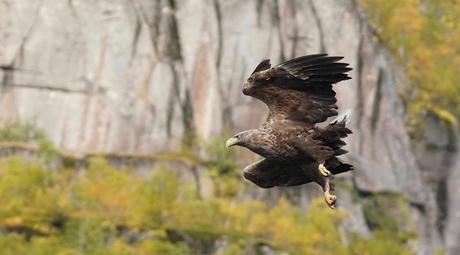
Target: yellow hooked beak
x=230, y=142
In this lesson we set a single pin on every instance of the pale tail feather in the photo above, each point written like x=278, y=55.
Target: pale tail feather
x=344, y=116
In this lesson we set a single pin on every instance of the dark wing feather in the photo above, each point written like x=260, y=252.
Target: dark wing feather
x=264, y=65
x=299, y=89
x=268, y=174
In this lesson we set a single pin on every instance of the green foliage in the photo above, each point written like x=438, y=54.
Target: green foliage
x=19, y=131
x=78, y=213
x=382, y=243
x=387, y=211
x=233, y=249
x=222, y=160
x=107, y=210
x=388, y=215
x=25, y=131
x=425, y=38
x=24, y=189
x=160, y=247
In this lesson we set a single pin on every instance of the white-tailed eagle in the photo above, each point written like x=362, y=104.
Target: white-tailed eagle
x=299, y=95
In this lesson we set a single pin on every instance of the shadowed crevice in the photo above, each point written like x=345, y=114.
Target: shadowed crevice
x=220, y=34
x=295, y=31
x=359, y=81
x=377, y=101
x=136, y=35
x=277, y=24
x=174, y=47
x=320, y=27
x=186, y=107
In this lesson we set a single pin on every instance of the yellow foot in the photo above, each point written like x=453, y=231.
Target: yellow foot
x=323, y=170
x=330, y=199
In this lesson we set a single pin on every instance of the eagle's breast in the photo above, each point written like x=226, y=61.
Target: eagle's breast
x=276, y=143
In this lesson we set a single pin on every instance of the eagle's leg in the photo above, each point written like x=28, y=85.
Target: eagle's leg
x=323, y=170
x=329, y=198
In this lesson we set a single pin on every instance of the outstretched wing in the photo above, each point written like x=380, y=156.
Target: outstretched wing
x=268, y=174
x=299, y=89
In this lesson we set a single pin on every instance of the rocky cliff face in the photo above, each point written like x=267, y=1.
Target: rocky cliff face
x=135, y=75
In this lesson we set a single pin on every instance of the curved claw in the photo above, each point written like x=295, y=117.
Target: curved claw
x=330, y=199
x=323, y=171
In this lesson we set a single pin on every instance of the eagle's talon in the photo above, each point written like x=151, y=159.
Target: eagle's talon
x=330, y=199
x=323, y=171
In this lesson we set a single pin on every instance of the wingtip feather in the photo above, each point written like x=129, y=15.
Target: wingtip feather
x=264, y=65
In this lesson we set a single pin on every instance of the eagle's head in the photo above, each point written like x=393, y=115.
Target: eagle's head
x=240, y=139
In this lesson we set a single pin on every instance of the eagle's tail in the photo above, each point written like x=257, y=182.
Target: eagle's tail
x=331, y=136
x=346, y=116
x=333, y=133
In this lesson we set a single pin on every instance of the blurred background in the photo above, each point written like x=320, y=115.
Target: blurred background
x=114, y=116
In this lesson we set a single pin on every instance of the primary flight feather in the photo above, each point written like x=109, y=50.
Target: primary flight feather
x=299, y=95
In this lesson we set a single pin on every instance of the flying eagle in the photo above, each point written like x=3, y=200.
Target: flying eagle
x=295, y=151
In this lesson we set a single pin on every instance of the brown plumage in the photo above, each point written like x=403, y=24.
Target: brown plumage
x=299, y=95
